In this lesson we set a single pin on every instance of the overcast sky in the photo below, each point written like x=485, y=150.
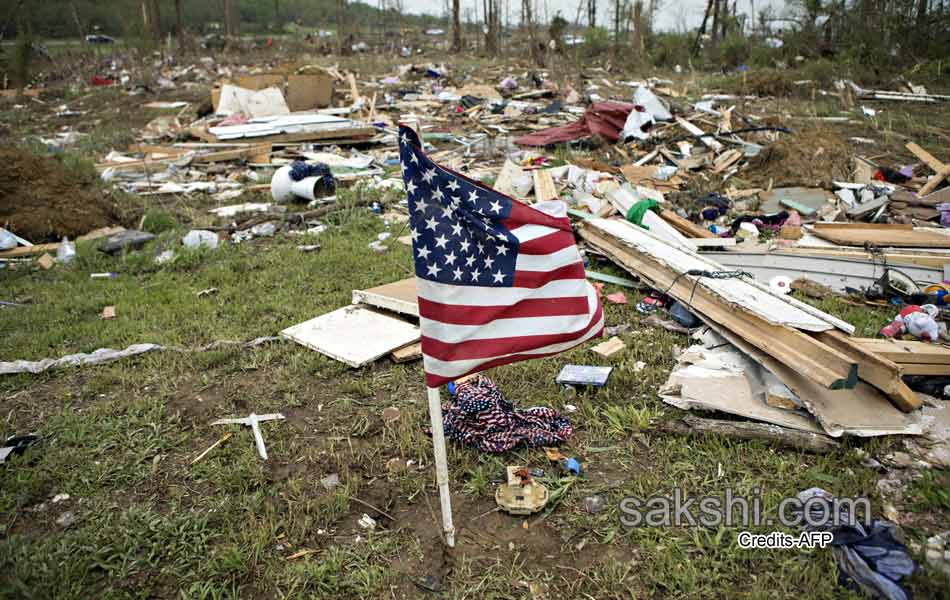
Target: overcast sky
x=673, y=14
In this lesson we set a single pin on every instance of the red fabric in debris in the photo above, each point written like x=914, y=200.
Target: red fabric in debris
x=98, y=80
x=605, y=119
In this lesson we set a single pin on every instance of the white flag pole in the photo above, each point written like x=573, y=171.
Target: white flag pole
x=435, y=415
x=441, y=465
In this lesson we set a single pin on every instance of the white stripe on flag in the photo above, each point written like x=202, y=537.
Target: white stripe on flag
x=469, y=295
x=526, y=233
x=501, y=328
x=456, y=368
x=548, y=262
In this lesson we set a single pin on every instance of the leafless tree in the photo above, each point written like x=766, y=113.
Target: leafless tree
x=456, y=26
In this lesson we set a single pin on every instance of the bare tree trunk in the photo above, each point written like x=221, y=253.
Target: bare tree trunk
x=638, y=45
x=715, y=23
x=152, y=19
x=702, y=27
x=456, y=26
x=235, y=18
x=180, y=23
x=340, y=25
x=724, y=19
x=79, y=27
x=592, y=13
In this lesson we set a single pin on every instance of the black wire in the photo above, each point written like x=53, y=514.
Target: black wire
x=699, y=274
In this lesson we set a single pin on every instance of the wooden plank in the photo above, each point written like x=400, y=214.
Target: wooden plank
x=544, y=188
x=877, y=370
x=934, y=181
x=897, y=238
x=906, y=352
x=874, y=226
x=706, y=139
x=398, y=296
x=924, y=369
x=927, y=158
x=408, y=353
x=934, y=261
x=240, y=153
x=211, y=157
x=342, y=135
x=726, y=160
x=767, y=433
x=685, y=226
x=29, y=250
x=611, y=346
x=810, y=357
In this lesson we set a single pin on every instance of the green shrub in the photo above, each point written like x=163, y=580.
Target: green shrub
x=158, y=221
x=733, y=51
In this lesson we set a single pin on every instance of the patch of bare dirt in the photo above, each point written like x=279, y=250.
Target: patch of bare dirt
x=42, y=201
x=808, y=157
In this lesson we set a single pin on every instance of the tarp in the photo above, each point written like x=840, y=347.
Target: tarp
x=605, y=119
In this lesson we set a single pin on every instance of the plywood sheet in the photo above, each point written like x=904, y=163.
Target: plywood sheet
x=353, y=335
x=398, y=296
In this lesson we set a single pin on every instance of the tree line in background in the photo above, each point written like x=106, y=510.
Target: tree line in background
x=876, y=32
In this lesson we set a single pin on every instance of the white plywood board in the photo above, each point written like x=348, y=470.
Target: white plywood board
x=353, y=335
x=749, y=295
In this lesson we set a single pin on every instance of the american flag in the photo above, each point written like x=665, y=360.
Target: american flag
x=497, y=281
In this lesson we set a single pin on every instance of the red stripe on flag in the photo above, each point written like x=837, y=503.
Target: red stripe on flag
x=486, y=348
x=522, y=214
x=481, y=315
x=536, y=279
x=547, y=244
x=437, y=380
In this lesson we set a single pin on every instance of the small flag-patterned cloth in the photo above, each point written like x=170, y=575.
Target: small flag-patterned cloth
x=480, y=417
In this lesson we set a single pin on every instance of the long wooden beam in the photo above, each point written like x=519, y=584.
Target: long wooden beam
x=817, y=361
x=877, y=370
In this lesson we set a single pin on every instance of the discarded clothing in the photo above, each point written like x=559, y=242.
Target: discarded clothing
x=869, y=559
x=605, y=119
x=480, y=417
x=299, y=170
x=773, y=222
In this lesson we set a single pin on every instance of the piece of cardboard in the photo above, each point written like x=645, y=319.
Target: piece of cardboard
x=305, y=92
x=260, y=81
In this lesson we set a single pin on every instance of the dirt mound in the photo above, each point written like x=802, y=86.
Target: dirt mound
x=809, y=157
x=41, y=200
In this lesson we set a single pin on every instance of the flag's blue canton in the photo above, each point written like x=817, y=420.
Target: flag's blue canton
x=457, y=235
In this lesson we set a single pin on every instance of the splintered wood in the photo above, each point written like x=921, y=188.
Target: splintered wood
x=798, y=340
